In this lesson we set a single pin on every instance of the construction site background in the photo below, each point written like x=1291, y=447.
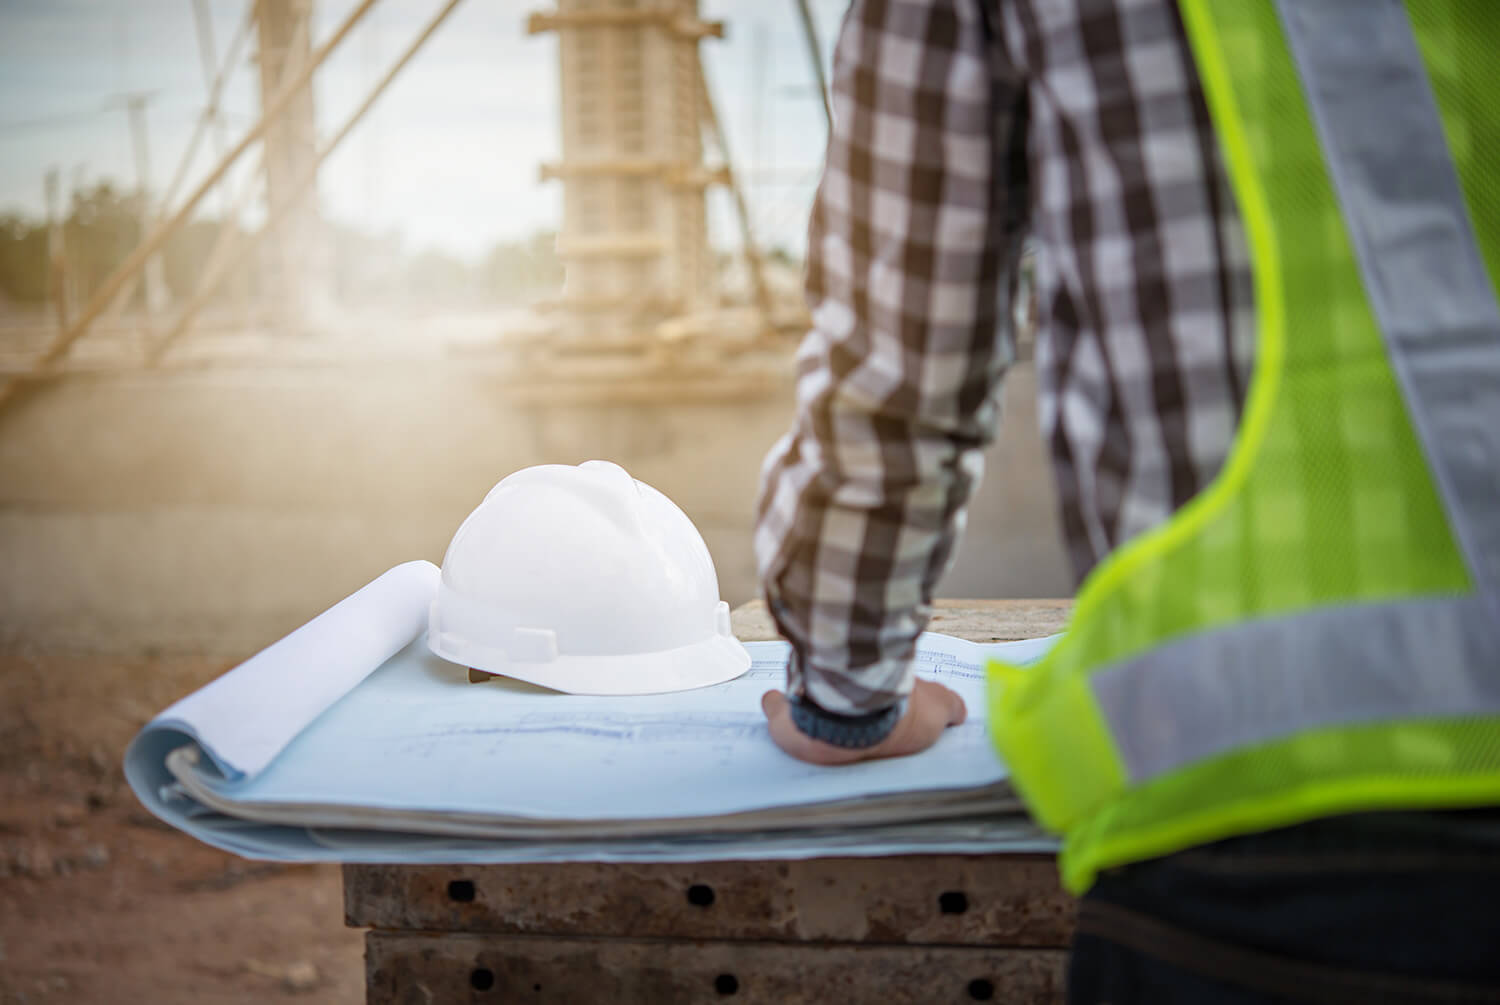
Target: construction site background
x=222, y=508
x=227, y=400
x=276, y=405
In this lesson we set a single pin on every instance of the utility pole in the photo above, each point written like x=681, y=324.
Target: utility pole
x=213, y=82
x=156, y=282
x=57, y=288
x=135, y=111
x=73, y=292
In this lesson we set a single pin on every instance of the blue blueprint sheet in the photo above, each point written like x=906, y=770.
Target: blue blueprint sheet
x=414, y=763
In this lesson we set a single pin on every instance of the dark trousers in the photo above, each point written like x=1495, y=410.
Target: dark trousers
x=1381, y=907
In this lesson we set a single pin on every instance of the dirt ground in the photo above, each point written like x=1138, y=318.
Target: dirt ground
x=100, y=902
x=224, y=508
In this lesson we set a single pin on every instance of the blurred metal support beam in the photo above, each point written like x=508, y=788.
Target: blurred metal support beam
x=753, y=261
x=815, y=54
x=664, y=16
x=154, y=241
x=212, y=279
x=686, y=174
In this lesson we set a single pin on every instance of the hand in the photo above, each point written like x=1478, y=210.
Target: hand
x=931, y=709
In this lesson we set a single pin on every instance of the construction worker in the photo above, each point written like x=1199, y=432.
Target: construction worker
x=1268, y=239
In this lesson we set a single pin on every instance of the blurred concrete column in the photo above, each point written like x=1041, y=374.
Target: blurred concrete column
x=634, y=237
x=297, y=260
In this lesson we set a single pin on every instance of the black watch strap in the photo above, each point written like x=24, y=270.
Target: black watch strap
x=853, y=732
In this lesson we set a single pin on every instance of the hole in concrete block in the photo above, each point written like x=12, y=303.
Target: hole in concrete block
x=482, y=979
x=700, y=895
x=726, y=984
x=461, y=890
x=953, y=902
x=981, y=990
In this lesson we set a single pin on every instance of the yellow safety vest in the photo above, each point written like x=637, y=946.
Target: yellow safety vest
x=1318, y=632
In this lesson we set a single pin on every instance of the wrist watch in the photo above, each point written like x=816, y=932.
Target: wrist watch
x=853, y=732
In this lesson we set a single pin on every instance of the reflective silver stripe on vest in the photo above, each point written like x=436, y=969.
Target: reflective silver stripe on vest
x=1260, y=681
x=1382, y=136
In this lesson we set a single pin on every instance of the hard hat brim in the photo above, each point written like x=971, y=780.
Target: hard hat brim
x=714, y=660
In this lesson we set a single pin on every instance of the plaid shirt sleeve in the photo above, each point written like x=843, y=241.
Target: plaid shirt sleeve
x=915, y=230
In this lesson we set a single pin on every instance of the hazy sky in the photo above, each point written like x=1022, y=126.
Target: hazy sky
x=449, y=155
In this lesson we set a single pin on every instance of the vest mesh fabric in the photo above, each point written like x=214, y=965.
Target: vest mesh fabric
x=1327, y=498
x=1457, y=39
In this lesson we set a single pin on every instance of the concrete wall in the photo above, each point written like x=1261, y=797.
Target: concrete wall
x=219, y=510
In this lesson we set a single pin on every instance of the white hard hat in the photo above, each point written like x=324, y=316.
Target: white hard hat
x=584, y=580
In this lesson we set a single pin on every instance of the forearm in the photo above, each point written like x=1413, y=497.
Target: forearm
x=850, y=576
x=911, y=243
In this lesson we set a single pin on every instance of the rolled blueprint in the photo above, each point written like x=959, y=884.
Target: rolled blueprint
x=255, y=710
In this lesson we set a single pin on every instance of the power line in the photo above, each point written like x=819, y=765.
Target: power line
x=52, y=121
x=108, y=106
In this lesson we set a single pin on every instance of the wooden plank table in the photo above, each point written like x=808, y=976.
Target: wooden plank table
x=912, y=928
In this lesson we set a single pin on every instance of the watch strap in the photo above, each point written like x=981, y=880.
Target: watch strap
x=852, y=732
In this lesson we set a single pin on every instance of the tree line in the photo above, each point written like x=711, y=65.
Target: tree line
x=103, y=225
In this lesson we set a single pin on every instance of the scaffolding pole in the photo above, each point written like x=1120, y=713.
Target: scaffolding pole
x=215, y=79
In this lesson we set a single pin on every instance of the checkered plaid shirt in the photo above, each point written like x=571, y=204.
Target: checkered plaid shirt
x=960, y=127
